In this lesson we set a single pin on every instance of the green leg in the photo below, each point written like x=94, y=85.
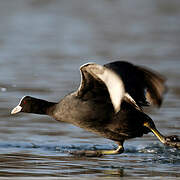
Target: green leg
x=172, y=141
x=156, y=132
x=98, y=153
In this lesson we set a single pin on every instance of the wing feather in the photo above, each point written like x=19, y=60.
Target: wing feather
x=145, y=86
x=118, y=81
x=110, y=79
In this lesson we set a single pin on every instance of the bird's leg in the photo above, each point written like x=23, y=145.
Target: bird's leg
x=172, y=141
x=155, y=132
x=98, y=153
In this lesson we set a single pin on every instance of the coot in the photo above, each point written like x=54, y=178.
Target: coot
x=108, y=102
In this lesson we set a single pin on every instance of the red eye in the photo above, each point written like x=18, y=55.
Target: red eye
x=24, y=102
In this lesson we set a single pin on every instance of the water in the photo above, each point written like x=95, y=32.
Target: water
x=42, y=45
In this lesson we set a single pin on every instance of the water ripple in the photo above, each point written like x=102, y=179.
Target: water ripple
x=149, y=149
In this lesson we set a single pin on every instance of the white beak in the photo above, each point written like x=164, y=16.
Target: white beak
x=16, y=110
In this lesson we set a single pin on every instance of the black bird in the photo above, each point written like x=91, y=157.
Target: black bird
x=109, y=102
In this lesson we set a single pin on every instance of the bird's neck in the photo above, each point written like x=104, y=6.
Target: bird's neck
x=50, y=107
x=43, y=107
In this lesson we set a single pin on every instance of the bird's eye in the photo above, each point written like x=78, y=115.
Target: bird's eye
x=24, y=102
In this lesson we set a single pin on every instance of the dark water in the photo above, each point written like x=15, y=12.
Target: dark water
x=42, y=45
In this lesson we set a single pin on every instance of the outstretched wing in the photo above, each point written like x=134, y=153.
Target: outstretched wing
x=102, y=82
x=144, y=86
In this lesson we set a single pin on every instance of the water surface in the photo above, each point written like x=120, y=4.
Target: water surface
x=42, y=45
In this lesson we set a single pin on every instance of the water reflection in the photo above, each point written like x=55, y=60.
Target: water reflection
x=53, y=160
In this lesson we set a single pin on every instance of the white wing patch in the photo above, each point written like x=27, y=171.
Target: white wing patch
x=112, y=81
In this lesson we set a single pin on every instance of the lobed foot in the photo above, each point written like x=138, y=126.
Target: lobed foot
x=99, y=153
x=172, y=141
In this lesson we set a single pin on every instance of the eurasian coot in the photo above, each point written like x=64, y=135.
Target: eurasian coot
x=108, y=102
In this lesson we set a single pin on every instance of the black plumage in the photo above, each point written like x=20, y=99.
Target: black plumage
x=109, y=103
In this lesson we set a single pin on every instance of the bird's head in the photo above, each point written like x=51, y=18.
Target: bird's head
x=25, y=105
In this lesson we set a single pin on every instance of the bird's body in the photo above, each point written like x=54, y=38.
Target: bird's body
x=108, y=102
x=90, y=115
